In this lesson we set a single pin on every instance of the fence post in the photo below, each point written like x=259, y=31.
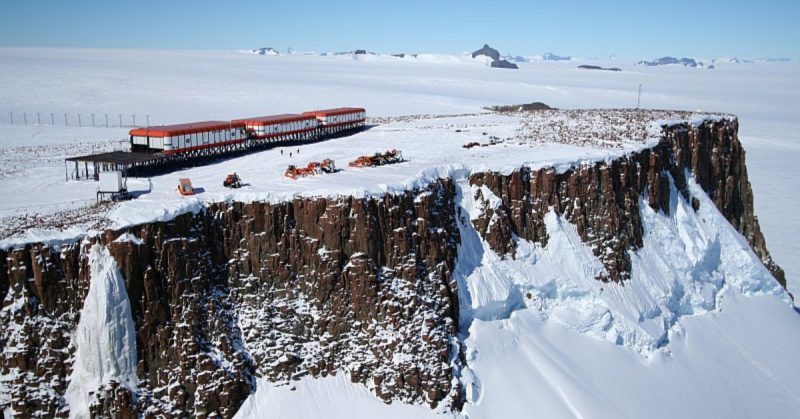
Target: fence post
x=52, y=119
x=39, y=118
x=11, y=115
x=66, y=123
x=79, y=120
x=92, y=120
x=106, y=120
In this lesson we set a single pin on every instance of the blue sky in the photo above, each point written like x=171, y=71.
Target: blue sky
x=633, y=29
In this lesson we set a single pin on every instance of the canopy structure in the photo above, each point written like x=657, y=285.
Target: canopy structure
x=123, y=161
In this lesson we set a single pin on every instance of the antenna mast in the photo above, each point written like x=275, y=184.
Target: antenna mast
x=639, y=98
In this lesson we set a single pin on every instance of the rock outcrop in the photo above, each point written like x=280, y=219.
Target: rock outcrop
x=487, y=51
x=494, y=55
x=602, y=199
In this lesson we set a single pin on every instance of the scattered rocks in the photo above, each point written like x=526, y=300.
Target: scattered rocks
x=526, y=107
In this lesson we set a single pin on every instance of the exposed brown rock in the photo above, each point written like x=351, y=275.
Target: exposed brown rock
x=46, y=289
x=313, y=286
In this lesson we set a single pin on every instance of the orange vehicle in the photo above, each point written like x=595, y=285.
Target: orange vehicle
x=378, y=159
x=232, y=181
x=185, y=187
x=313, y=168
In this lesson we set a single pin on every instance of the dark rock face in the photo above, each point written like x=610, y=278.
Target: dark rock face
x=597, y=67
x=313, y=286
x=46, y=289
x=503, y=64
x=349, y=285
x=488, y=52
x=602, y=199
x=525, y=107
x=492, y=53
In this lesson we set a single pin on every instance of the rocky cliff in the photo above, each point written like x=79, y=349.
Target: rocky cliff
x=602, y=199
x=319, y=286
x=314, y=286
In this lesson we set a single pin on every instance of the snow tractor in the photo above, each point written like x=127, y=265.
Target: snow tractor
x=232, y=181
x=313, y=168
x=378, y=159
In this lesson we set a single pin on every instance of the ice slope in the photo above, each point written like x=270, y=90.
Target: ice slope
x=105, y=339
x=732, y=363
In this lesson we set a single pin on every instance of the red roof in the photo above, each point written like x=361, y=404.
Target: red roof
x=182, y=129
x=335, y=111
x=274, y=119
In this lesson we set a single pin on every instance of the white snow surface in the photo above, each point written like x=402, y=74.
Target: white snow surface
x=700, y=330
x=105, y=338
x=734, y=363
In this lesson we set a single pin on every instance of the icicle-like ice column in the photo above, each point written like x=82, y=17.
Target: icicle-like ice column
x=105, y=337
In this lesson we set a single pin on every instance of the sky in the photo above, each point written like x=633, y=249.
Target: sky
x=584, y=28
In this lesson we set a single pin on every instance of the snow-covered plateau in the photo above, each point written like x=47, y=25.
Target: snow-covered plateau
x=433, y=287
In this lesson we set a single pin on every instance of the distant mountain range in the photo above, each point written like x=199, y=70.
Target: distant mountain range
x=691, y=62
x=510, y=61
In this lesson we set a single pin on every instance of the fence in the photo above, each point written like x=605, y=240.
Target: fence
x=67, y=119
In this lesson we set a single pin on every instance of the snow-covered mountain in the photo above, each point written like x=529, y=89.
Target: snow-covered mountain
x=263, y=51
x=732, y=60
x=686, y=62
